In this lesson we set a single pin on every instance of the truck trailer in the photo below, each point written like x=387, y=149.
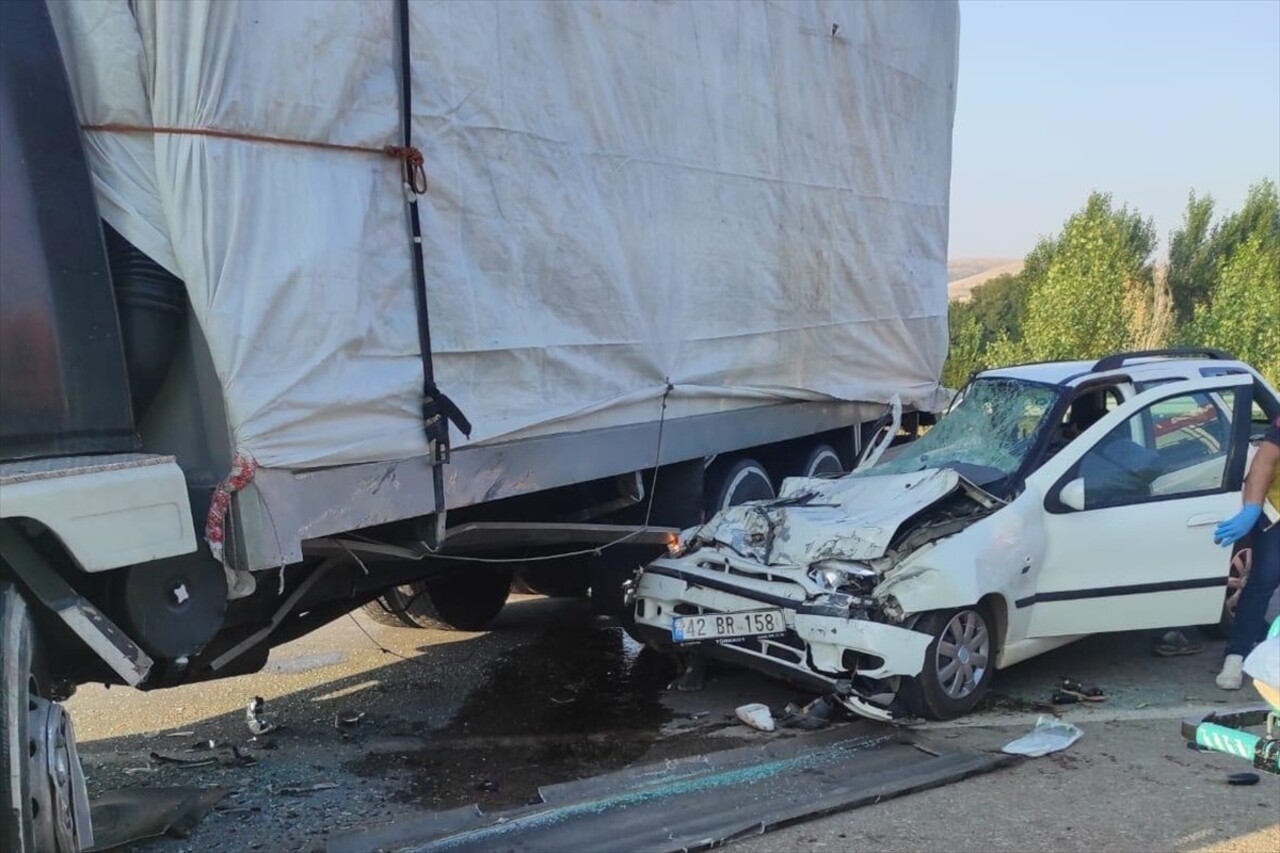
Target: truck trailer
x=393, y=304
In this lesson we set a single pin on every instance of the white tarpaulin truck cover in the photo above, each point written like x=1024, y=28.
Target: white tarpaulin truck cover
x=746, y=200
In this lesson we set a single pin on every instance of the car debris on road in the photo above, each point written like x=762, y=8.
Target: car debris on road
x=301, y=790
x=1070, y=692
x=347, y=719
x=253, y=714
x=1049, y=735
x=757, y=716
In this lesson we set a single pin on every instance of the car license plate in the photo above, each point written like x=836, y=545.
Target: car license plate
x=719, y=626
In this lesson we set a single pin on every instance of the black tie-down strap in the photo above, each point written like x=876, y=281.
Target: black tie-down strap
x=438, y=411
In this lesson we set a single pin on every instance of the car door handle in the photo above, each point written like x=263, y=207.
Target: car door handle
x=1203, y=520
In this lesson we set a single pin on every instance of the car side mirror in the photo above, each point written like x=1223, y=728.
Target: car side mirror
x=1072, y=494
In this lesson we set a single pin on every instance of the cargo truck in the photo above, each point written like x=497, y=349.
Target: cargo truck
x=308, y=307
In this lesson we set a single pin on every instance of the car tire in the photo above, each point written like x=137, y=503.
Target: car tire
x=952, y=681
x=466, y=601
x=1241, y=563
x=731, y=482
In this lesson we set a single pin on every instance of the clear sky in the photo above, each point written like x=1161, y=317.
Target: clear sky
x=1146, y=100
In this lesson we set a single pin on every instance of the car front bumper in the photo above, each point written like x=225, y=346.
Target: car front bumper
x=826, y=646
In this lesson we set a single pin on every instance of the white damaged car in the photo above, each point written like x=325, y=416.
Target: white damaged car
x=1051, y=502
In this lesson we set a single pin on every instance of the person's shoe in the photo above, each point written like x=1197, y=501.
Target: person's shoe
x=1232, y=675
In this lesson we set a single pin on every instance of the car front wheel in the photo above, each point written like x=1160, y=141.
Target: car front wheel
x=959, y=663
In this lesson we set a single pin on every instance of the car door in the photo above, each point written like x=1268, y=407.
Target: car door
x=1129, y=512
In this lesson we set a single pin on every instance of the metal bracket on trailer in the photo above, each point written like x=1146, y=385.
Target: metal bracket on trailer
x=90, y=624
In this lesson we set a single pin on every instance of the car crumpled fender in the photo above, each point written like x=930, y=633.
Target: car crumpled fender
x=998, y=554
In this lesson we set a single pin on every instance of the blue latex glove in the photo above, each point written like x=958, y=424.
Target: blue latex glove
x=1237, y=526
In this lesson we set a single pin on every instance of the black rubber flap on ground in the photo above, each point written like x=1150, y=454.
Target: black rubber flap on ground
x=693, y=803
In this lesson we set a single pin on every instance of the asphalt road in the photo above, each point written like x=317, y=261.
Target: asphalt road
x=437, y=720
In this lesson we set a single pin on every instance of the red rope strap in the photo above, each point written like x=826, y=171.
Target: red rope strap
x=415, y=174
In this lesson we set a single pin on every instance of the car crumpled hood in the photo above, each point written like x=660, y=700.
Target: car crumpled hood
x=852, y=518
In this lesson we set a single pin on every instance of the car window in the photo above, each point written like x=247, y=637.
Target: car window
x=1084, y=411
x=1093, y=403
x=986, y=436
x=1148, y=384
x=1177, y=446
x=1257, y=417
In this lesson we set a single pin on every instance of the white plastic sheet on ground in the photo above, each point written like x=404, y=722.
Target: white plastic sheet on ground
x=1049, y=735
x=748, y=199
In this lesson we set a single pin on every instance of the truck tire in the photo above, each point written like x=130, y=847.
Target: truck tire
x=45, y=810
x=731, y=482
x=16, y=656
x=959, y=663
x=466, y=601
x=822, y=461
x=566, y=578
x=391, y=608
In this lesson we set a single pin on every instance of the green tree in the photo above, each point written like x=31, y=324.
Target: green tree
x=1191, y=265
x=965, y=354
x=1243, y=315
x=1092, y=289
x=1260, y=217
x=1036, y=265
x=1083, y=283
x=1199, y=251
x=1002, y=313
x=1000, y=305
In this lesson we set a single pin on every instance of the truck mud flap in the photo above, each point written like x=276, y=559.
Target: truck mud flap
x=91, y=625
x=694, y=803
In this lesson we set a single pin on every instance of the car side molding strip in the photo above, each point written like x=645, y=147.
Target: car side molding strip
x=1111, y=591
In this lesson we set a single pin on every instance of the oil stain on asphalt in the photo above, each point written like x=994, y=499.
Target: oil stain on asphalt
x=574, y=703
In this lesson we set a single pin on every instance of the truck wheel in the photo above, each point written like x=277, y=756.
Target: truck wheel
x=736, y=482
x=43, y=797
x=566, y=578
x=822, y=461
x=958, y=666
x=391, y=608
x=466, y=601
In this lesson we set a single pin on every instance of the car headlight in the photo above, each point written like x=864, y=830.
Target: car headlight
x=828, y=578
x=837, y=574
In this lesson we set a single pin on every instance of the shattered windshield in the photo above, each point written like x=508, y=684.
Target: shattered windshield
x=989, y=432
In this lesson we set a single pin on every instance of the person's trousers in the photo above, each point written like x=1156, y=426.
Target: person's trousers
x=1250, y=627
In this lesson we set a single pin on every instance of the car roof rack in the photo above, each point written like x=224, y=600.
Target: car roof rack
x=1111, y=362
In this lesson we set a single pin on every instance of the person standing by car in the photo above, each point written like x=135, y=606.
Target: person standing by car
x=1262, y=484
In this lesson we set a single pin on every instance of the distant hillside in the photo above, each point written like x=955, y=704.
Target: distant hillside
x=964, y=274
